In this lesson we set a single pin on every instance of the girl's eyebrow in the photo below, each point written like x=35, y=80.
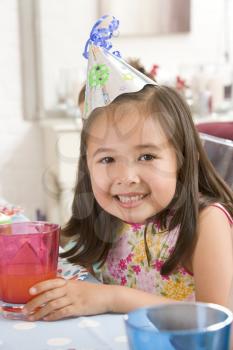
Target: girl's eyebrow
x=102, y=150
x=137, y=147
x=149, y=145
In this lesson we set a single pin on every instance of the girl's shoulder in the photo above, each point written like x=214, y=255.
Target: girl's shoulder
x=224, y=211
x=214, y=233
x=215, y=225
x=215, y=213
x=214, y=229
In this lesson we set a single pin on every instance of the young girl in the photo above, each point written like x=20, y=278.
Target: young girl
x=150, y=214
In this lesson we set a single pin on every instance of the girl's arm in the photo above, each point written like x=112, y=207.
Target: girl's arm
x=124, y=299
x=57, y=299
x=213, y=257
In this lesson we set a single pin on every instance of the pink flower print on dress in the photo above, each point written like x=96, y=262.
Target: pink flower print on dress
x=122, y=250
x=113, y=269
x=158, y=264
x=129, y=258
x=123, y=281
x=136, y=269
x=165, y=277
x=146, y=281
x=122, y=264
x=136, y=227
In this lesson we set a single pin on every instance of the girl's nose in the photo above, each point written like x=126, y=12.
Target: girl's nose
x=127, y=174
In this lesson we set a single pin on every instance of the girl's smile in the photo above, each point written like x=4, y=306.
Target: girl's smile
x=132, y=165
x=130, y=200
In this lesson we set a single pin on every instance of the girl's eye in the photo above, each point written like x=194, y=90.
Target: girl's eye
x=106, y=160
x=146, y=157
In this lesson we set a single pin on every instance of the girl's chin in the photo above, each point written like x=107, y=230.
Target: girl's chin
x=131, y=215
x=130, y=219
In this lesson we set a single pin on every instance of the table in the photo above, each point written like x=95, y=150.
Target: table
x=101, y=332
x=82, y=333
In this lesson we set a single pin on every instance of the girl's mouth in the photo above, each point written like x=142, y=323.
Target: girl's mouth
x=130, y=200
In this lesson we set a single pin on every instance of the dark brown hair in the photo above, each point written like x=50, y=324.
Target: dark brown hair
x=136, y=63
x=198, y=184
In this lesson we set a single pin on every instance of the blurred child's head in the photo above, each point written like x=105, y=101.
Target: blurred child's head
x=136, y=63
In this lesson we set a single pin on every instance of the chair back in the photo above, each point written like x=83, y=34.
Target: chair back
x=220, y=153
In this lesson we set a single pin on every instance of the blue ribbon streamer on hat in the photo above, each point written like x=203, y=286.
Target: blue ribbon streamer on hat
x=101, y=36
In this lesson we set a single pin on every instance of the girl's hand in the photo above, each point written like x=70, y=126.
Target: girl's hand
x=58, y=298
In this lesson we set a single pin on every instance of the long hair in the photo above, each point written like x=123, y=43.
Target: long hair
x=198, y=184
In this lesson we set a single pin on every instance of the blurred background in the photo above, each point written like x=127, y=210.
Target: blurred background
x=187, y=44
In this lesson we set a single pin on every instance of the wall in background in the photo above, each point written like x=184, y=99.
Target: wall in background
x=150, y=17
x=21, y=162
x=204, y=43
x=22, y=166
x=65, y=27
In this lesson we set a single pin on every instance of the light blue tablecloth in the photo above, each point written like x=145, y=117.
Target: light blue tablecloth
x=101, y=332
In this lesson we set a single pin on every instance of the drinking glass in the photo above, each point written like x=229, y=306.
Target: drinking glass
x=179, y=326
x=29, y=254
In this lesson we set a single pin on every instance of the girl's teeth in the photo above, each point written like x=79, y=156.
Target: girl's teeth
x=125, y=199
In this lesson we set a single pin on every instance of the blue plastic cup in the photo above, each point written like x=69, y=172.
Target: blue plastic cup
x=179, y=326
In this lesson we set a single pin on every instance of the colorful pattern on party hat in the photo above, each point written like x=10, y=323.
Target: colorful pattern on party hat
x=108, y=75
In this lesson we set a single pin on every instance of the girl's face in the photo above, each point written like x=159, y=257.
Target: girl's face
x=132, y=165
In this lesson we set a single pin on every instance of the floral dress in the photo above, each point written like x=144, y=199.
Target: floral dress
x=127, y=264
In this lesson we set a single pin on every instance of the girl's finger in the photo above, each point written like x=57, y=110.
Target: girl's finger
x=64, y=312
x=47, y=285
x=44, y=298
x=49, y=308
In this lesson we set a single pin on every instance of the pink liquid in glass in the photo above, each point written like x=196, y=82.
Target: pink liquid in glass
x=29, y=254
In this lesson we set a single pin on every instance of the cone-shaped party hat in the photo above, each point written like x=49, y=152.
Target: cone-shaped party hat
x=108, y=75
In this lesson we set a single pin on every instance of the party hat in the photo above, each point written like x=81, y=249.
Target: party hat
x=108, y=75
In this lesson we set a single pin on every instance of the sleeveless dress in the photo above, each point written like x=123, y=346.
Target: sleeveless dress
x=127, y=264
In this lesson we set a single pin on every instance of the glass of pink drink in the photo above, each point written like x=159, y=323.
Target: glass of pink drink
x=28, y=255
